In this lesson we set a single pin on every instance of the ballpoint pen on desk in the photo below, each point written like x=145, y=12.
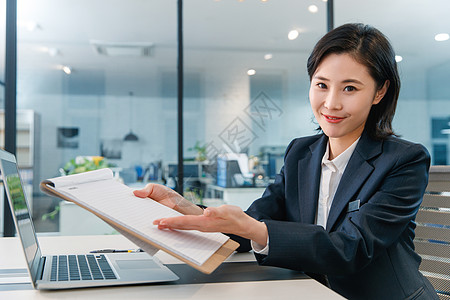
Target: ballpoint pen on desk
x=117, y=251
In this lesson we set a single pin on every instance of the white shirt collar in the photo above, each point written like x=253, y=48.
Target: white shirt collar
x=341, y=161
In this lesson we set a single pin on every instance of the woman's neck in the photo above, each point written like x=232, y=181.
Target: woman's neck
x=339, y=145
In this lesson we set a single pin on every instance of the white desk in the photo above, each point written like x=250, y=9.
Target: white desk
x=11, y=256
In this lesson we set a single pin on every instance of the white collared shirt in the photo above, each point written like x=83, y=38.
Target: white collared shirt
x=332, y=171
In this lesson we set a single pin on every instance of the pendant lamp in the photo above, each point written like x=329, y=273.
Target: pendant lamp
x=131, y=137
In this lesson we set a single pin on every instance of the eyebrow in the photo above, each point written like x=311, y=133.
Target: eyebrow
x=343, y=81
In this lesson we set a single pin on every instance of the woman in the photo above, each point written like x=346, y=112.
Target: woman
x=342, y=208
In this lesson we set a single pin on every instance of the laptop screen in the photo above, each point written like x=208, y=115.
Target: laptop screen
x=21, y=213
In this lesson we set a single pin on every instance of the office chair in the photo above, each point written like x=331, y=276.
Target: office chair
x=432, y=239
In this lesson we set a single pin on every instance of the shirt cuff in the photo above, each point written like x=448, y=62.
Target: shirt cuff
x=257, y=248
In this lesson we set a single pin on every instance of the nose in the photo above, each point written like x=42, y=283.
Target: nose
x=333, y=101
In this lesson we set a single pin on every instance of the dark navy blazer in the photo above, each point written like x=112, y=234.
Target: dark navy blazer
x=365, y=252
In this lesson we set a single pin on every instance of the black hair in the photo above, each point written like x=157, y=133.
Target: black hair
x=368, y=46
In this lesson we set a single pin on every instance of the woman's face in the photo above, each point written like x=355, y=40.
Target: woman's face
x=341, y=95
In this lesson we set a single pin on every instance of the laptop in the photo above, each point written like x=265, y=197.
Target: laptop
x=78, y=270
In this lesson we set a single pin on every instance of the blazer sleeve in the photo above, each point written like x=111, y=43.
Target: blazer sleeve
x=363, y=234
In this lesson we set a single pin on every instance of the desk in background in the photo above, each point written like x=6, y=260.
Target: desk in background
x=12, y=257
x=241, y=197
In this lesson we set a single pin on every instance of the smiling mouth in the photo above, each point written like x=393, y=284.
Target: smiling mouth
x=333, y=119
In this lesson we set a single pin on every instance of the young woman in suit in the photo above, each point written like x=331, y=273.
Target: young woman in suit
x=342, y=208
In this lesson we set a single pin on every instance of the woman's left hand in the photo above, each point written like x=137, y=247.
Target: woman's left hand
x=226, y=218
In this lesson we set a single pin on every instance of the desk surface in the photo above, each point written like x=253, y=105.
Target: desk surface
x=11, y=257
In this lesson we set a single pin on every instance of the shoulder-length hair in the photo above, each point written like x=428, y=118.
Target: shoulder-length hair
x=371, y=48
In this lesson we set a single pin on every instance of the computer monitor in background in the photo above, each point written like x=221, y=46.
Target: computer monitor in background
x=190, y=170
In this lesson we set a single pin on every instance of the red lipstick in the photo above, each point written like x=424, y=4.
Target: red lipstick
x=332, y=119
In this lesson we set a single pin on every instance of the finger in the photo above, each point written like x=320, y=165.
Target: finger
x=223, y=211
x=188, y=222
x=145, y=192
x=211, y=212
x=154, y=191
x=140, y=193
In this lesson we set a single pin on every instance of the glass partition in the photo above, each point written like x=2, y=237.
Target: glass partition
x=95, y=80
x=246, y=91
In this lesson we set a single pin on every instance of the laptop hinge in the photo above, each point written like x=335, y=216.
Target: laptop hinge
x=40, y=270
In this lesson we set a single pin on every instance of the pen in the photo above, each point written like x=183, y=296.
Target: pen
x=117, y=251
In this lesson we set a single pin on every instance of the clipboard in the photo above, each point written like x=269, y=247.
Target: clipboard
x=147, y=245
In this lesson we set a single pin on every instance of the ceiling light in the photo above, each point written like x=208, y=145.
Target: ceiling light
x=293, y=34
x=398, y=58
x=268, y=56
x=251, y=72
x=67, y=70
x=445, y=131
x=441, y=37
x=313, y=9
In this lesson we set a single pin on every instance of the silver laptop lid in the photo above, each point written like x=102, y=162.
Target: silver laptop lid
x=20, y=211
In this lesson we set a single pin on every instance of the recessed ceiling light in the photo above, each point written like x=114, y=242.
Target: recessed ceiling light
x=251, y=72
x=441, y=37
x=293, y=34
x=313, y=9
x=398, y=58
x=268, y=56
x=67, y=70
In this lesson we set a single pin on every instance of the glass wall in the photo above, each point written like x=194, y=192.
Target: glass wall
x=96, y=78
x=248, y=91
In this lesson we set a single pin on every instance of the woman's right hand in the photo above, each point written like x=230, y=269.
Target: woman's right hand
x=168, y=197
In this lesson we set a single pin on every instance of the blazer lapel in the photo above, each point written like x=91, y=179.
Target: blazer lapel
x=355, y=174
x=309, y=170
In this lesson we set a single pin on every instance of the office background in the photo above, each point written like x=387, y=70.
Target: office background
x=89, y=73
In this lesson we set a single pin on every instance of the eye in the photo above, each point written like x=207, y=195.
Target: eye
x=322, y=85
x=349, y=88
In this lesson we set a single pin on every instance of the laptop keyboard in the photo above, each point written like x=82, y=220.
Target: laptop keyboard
x=80, y=267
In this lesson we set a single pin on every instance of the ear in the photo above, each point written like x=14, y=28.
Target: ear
x=381, y=92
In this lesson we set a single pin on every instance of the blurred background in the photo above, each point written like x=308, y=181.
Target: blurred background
x=97, y=87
